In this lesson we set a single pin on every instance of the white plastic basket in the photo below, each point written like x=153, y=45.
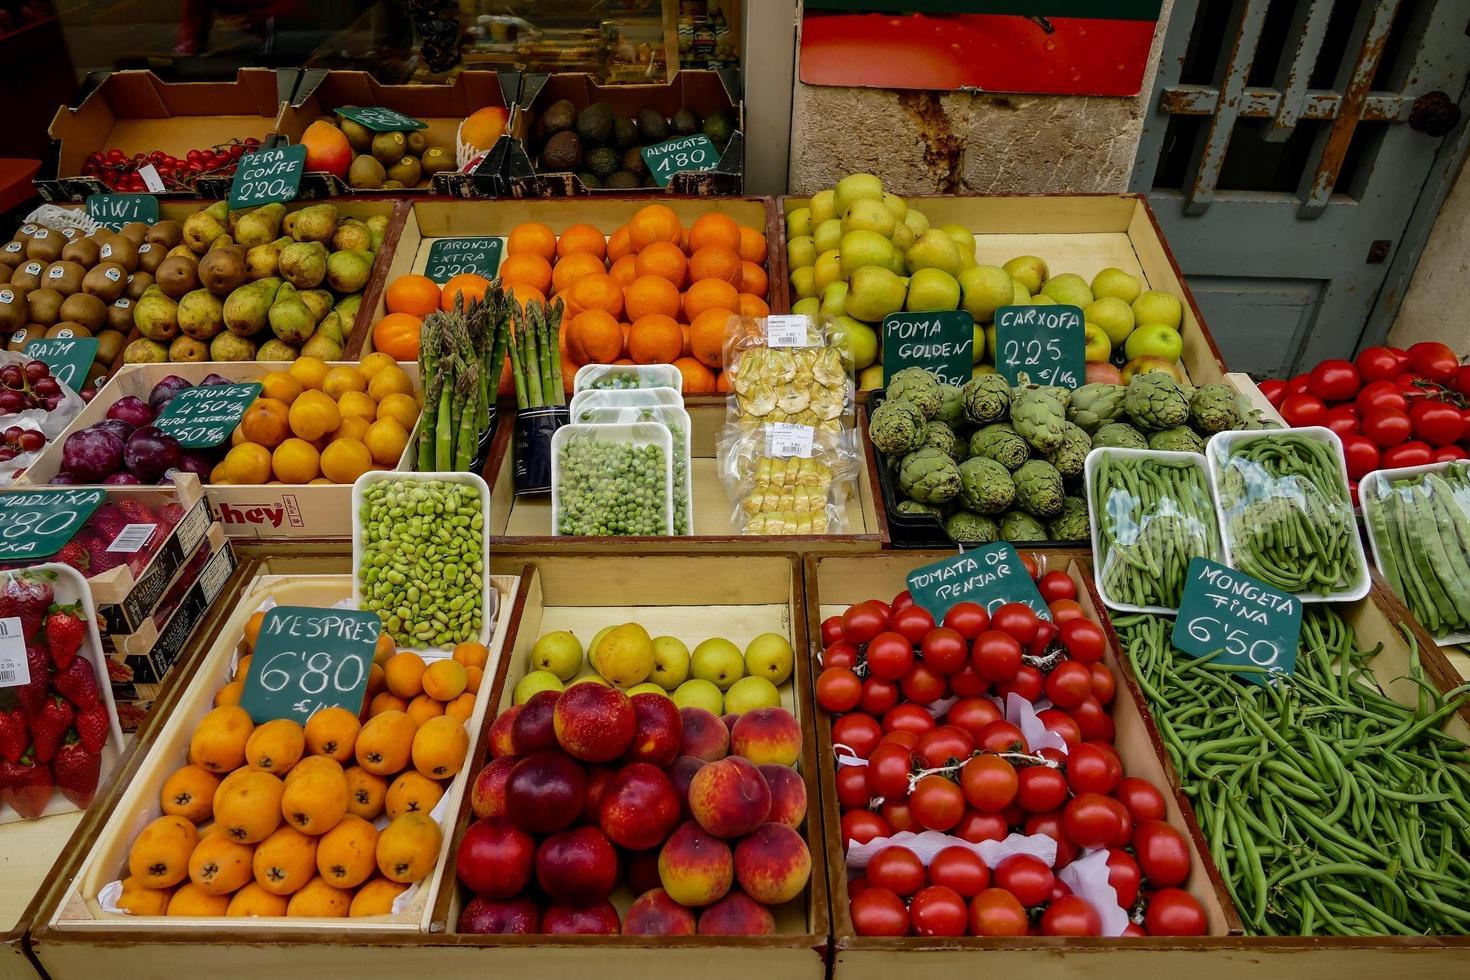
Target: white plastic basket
x=627, y=433
x=584, y=401
x=669, y=416
x=633, y=376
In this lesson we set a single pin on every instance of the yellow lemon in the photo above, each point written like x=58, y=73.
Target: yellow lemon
x=357, y=403
x=340, y=380
x=249, y=463
x=388, y=381
x=373, y=363
x=385, y=440
x=310, y=371
x=404, y=408
x=280, y=385
x=345, y=460
x=313, y=415
x=296, y=461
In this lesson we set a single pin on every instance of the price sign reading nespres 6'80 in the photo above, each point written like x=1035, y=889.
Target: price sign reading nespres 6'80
x=1045, y=343
x=306, y=659
x=1239, y=620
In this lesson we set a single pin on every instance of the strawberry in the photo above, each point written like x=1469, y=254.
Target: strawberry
x=76, y=771
x=99, y=559
x=49, y=726
x=27, y=786
x=92, y=727
x=74, y=554
x=32, y=694
x=27, y=597
x=15, y=735
x=170, y=514
x=107, y=521
x=136, y=512
x=77, y=683
x=64, y=633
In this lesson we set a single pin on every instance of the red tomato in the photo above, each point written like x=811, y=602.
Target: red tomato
x=1041, y=788
x=1028, y=562
x=1060, y=723
x=1057, y=585
x=900, y=818
x=1162, y=853
x=996, y=912
x=973, y=714
x=897, y=869
x=1084, y=640
x=1174, y=912
x=1297, y=385
x=879, y=912
x=890, y=655
x=995, y=655
x=858, y=732
x=863, y=825
x=839, y=689
x=888, y=771
x=1435, y=422
x=1334, y=380
x=1303, y=409
x=1066, y=609
x=908, y=718
x=1433, y=360
x=937, y=803
x=944, y=651
x=967, y=683
x=879, y=696
x=1017, y=619
x=1380, y=394
x=961, y=869
x=975, y=827
x=913, y=623
x=989, y=783
x=1001, y=736
x=1093, y=820
x=840, y=654
x=1134, y=930
x=901, y=601
x=1071, y=916
x=883, y=608
x=1386, y=426
x=1050, y=824
x=1450, y=453
x=856, y=886
x=969, y=619
x=852, y=786
x=1069, y=684
x=1093, y=769
x=1025, y=877
x=1361, y=455
x=922, y=685
x=908, y=740
x=1096, y=724
x=1046, y=632
x=831, y=630
x=863, y=621
x=1376, y=363
x=1123, y=875
x=1274, y=390
x=1342, y=419
x=944, y=743
x=1142, y=799
x=938, y=911
x=1026, y=684
x=1414, y=453
x=1104, y=684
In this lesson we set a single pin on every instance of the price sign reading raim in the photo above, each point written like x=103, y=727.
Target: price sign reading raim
x=381, y=120
x=115, y=210
x=1045, y=343
x=677, y=155
x=450, y=257
x=1240, y=619
x=204, y=416
x=267, y=177
x=991, y=576
x=69, y=358
x=306, y=659
x=942, y=343
x=36, y=524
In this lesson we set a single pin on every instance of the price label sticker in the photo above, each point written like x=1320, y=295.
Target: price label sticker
x=379, y=119
x=307, y=659
x=1045, y=343
x=69, y=358
x=36, y=524
x=151, y=180
x=204, y=416
x=677, y=155
x=788, y=330
x=1240, y=620
x=450, y=257
x=941, y=343
x=267, y=177
x=990, y=576
x=15, y=668
x=115, y=210
x=787, y=439
x=132, y=538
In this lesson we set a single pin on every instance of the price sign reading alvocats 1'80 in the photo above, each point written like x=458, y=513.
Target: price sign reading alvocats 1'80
x=306, y=659
x=34, y=525
x=204, y=416
x=1241, y=619
x=682, y=153
x=450, y=257
x=990, y=576
x=1046, y=343
x=267, y=177
x=942, y=343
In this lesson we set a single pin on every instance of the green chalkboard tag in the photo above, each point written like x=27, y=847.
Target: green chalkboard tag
x=1046, y=343
x=115, y=210
x=942, y=343
x=202, y=417
x=991, y=576
x=69, y=358
x=379, y=119
x=677, y=155
x=449, y=257
x=306, y=659
x=267, y=177
x=1246, y=621
x=36, y=524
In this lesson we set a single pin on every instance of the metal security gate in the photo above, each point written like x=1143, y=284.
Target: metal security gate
x=1296, y=152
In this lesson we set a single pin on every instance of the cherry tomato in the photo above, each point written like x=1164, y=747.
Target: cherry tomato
x=1028, y=562
x=1462, y=379
x=938, y=911
x=996, y=912
x=1450, y=453
x=1303, y=409
x=1084, y=640
x=839, y=689
x=937, y=803
x=900, y=818
x=961, y=869
x=908, y=718
x=1334, y=380
x=1092, y=769
x=913, y=623
x=1123, y=875
x=1435, y=422
x=1017, y=619
x=1071, y=916
x=1059, y=889
x=1433, y=360
x=831, y=630
x=852, y=786
x=878, y=696
x=1046, y=632
x=863, y=621
x=944, y=743
x=975, y=827
x=888, y=771
x=922, y=685
x=1063, y=610
x=1096, y=724
x=1141, y=798
x=840, y=654
x=1376, y=363
x=1380, y=394
x=1041, y=788
x=1058, y=722
x=1026, y=684
x=989, y=783
x=1162, y=853
x=1174, y=912
x=1342, y=419
x=1104, y=684
x=1134, y=930
x=944, y=651
x=897, y=869
x=1001, y=736
x=858, y=732
x=973, y=714
x=901, y=601
x=1274, y=390
x=1050, y=825
x=879, y=912
x=1069, y=684
x=908, y=740
x=967, y=683
x=1025, y=877
x=1414, y=453
x=969, y=619
x=1361, y=455
x=863, y=825
x=1091, y=820
x=856, y=886
x=996, y=655
x=1057, y=585
x=890, y=656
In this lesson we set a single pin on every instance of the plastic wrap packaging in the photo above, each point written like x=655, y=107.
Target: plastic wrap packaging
x=787, y=369
x=787, y=483
x=49, y=423
x=584, y=401
x=676, y=420
x=595, y=377
x=614, y=479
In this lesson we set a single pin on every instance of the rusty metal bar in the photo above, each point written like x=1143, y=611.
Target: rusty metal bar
x=1209, y=153
x=1370, y=34
x=1265, y=103
x=1308, y=26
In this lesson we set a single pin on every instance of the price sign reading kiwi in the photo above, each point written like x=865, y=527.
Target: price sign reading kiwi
x=1045, y=343
x=37, y=524
x=942, y=343
x=379, y=119
x=69, y=358
x=990, y=576
x=204, y=416
x=267, y=177
x=677, y=155
x=450, y=257
x=115, y=210
x=306, y=659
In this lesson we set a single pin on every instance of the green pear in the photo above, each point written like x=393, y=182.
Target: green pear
x=834, y=299
x=201, y=314
x=303, y=264
x=874, y=292
x=259, y=226
x=534, y=683
x=276, y=349
x=696, y=693
x=1019, y=296
x=322, y=346
x=1117, y=284
x=670, y=662
x=771, y=656
x=202, y=227
x=347, y=308
x=290, y=317
x=801, y=252
x=1155, y=306
x=264, y=261
x=1041, y=299
x=963, y=240
x=188, y=350
x=156, y=315
x=352, y=234
x=319, y=301
x=933, y=250
x=718, y=661
x=859, y=341
x=145, y=351
x=1029, y=271
x=331, y=328
x=804, y=283
x=558, y=651
x=864, y=248
x=822, y=206
x=867, y=214
x=316, y=223
x=247, y=309
x=378, y=229
x=986, y=289
x=1068, y=288
x=231, y=347
x=348, y=272
x=903, y=236
x=855, y=187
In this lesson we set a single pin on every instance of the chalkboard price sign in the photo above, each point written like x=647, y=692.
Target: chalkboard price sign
x=204, y=416
x=990, y=576
x=1046, y=343
x=115, y=210
x=306, y=659
x=381, y=120
x=677, y=155
x=35, y=525
x=450, y=257
x=267, y=177
x=69, y=358
x=942, y=343
x=1241, y=619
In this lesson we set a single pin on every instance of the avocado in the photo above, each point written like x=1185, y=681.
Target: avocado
x=624, y=133
x=558, y=117
x=595, y=123
x=633, y=162
x=717, y=127
x=589, y=180
x=622, y=180
x=685, y=122
x=603, y=161
x=651, y=126
x=563, y=152
x=649, y=181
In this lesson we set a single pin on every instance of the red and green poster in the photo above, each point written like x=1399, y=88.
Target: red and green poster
x=1048, y=47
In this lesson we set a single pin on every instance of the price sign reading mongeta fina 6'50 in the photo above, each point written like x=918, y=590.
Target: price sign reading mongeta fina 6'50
x=1238, y=620
x=306, y=659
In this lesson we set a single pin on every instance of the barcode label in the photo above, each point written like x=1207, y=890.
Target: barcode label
x=217, y=572
x=15, y=670
x=786, y=439
x=132, y=538
x=788, y=330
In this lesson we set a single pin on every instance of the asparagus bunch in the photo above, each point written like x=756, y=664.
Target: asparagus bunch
x=456, y=351
x=533, y=339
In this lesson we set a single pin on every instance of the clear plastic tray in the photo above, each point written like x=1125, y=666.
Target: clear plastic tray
x=623, y=398
x=1089, y=476
x=616, y=377
x=1220, y=446
x=677, y=421
x=487, y=594
x=626, y=433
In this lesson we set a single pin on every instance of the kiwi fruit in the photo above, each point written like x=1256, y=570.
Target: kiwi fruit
x=82, y=251
x=389, y=148
x=177, y=276
x=110, y=343
x=137, y=231
x=436, y=160
x=406, y=171
x=121, y=250
x=44, y=306
x=359, y=137
x=13, y=253
x=150, y=257
x=137, y=282
x=45, y=245
x=86, y=309
x=366, y=172
x=392, y=185
x=5, y=273
x=24, y=232
x=64, y=329
x=14, y=311
x=97, y=374
x=20, y=336
x=120, y=316
x=105, y=281
x=65, y=277
x=417, y=141
x=29, y=276
x=165, y=233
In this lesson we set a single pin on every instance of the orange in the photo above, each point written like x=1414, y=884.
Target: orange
x=753, y=279
x=483, y=127
x=528, y=268
x=397, y=335
x=650, y=294
x=619, y=244
x=418, y=295
x=714, y=229
x=597, y=292
x=710, y=294
x=698, y=379
x=752, y=245
x=467, y=284
x=722, y=383
x=625, y=270
x=663, y=259
x=685, y=350
x=654, y=223
x=707, y=336
x=471, y=654
x=265, y=422
x=593, y=337
x=655, y=339
x=524, y=293
x=531, y=237
x=753, y=306
x=582, y=238
x=568, y=373
x=715, y=262
x=573, y=267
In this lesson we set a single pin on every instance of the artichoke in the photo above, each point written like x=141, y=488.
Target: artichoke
x=1039, y=488
x=1180, y=439
x=913, y=507
x=914, y=384
x=896, y=428
x=1156, y=401
x=1063, y=395
x=1254, y=418
x=987, y=398
x=1070, y=456
x=929, y=476
x=1214, y=408
x=986, y=486
x=1001, y=443
x=1038, y=416
x=1118, y=435
x=1017, y=525
x=951, y=406
x=971, y=528
x=1095, y=405
x=1071, y=524
x=939, y=436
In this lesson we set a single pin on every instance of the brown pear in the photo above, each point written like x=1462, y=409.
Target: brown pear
x=166, y=233
x=223, y=269
x=177, y=276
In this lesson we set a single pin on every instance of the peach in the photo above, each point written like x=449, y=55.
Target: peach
x=577, y=867
x=729, y=719
x=767, y=735
x=599, y=919
x=598, y=780
x=494, y=858
x=594, y=723
x=484, y=916
x=659, y=730
x=705, y=736
x=532, y=729
x=640, y=806
x=681, y=774
x=501, y=742
x=487, y=795
x=654, y=913
x=736, y=915
x=773, y=864
x=788, y=795
x=640, y=871
x=729, y=798
x=695, y=867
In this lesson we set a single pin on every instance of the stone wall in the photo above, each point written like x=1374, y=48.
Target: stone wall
x=1439, y=293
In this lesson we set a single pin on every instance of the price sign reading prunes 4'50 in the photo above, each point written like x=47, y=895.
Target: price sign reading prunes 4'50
x=36, y=524
x=990, y=576
x=379, y=119
x=677, y=155
x=942, y=343
x=1046, y=343
x=115, y=210
x=1240, y=618
x=306, y=659
x=450, y=257
x=204, y=416
x=267, y=177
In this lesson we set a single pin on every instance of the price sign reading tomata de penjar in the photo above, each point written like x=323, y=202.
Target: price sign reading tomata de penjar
x=450, y=257
x=942, y=343
x=267, y=177
x=1046, y=343
x=381, y=120
x=35, y=525
x=204, y=416
x=306, y=659
x=1241, y=619
x=677, y=155
x=990, y=576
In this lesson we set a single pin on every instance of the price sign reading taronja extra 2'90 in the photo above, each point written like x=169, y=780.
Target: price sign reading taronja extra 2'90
x=1240, y=619
x=307, y=659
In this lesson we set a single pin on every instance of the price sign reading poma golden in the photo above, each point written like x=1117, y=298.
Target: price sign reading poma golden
x=204, y=416
x=306, y=659
x=1235, y=619
x=943, y=343
x=1045, y=343
x=685, y=153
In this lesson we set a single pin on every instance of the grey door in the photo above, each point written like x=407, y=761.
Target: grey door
x=1295, y=152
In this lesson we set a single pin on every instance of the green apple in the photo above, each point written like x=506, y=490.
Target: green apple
x=534, y=683
x=903, y=236
x=804, y=282
x=827, y=270
x=863, y=248
x=986, y=289
x=873, y=293
x=1154, y=306
x=1068, y=288
x=588, y=677
x=798, y=223
x=1028, y=270
x=855, y=187
x=1097, y=346
x=990, y=340
x=801, y=252
x=963, y=240
x=1041, y=299
x=916, y=221
x=977, y=348
x=718, y=661
x=1117, y=284
x=1154, y=340
x=647, y=687
x=821, y=207
x=670, y=662
x=750, y=693
x=871, y=377
x=857, y=338
x=1113, y=315
x=933, y=250
x=1019, y=296
x=807, y=306
x=770, y=656
x=559, y=652
x=896, y=205
x=867, y=214
x=834, y=298
x=827, y=235
x=700, y=694
x=932, y=289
